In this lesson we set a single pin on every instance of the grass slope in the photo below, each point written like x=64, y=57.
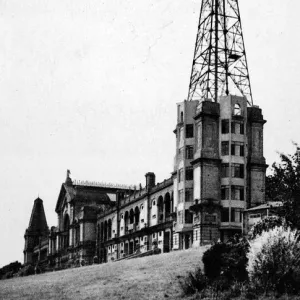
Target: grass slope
x=152, y=277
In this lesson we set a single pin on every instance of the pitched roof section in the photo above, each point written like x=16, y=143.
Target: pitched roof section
x=82, y=194
x=274, y=204
x=38, y=222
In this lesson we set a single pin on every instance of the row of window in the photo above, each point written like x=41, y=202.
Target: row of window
x=227, y=170
x=237, y=148
x=237, y=192
x=236, y=127
x=233, y=170
x=235, y=216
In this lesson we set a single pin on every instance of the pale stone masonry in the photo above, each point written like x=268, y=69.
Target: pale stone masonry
x=219, y=172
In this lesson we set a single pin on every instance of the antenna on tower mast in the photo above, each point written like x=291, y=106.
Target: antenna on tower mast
x=220, y=64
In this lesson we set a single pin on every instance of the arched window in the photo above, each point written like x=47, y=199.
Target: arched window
x=153, y=203
x=137, y=215
x=237, y=110
x=160, y=208
x=109, y=229
x=167, y=204
x=126, y=219
x=66, y=230
x=131, y=216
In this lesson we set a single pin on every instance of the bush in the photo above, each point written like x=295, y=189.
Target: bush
x=227, y=259
x=212, y=260
x=274, y=261
x=26, y=271
x=194, y=282
x=8, y=275
x=265, y=224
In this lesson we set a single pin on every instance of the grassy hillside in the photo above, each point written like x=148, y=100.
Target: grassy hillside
x=152, y=277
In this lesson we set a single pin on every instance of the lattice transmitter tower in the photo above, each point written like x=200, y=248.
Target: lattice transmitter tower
x=219, y=65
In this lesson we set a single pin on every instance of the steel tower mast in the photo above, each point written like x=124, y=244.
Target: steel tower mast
x=220, y=64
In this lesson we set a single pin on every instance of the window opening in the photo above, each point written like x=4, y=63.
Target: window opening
x=189, y=131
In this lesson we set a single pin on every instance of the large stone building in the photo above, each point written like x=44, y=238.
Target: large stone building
x=219, y=172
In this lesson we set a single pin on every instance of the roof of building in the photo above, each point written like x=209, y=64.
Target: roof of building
x=38, y=222
x=272, y=204
x=83, y=195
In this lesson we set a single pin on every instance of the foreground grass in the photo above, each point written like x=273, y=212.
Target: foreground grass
x=152, y=277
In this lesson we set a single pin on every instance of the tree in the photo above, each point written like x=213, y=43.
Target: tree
x=284, y=185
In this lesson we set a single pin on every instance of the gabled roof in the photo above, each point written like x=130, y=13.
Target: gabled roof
x=38, y=222
x=83, y=194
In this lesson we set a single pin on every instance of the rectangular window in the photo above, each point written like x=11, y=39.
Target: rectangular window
x=233, y=127
x=237, y=127
x=189, y=152
x=189, y=173
x=237, y=192
x=242, y=150
x=236, y=215
x=232, y=149
x=225, y=192
x=189, y=131
x=225, y=148
x=180, y=175
x=242, y=128
x=237, y=148
x=254, y=216
x=175, y=239
x=188, y=195
x=179, y=217
x=180, y=196
x=225, y=214
x=225, y=126
x=233, y=215
x=237, y=170
x=225, y=170
x=188, y=216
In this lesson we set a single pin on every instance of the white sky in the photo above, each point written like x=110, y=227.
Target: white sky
x=92, y=86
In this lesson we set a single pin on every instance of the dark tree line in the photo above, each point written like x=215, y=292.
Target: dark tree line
x=283, y=184
x=10, y=269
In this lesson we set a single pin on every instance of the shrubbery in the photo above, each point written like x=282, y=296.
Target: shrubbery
x=274, y=261
x=227, y=259
x=194, y=282
x=266, y=224
x=26, y=271
x=269, y=262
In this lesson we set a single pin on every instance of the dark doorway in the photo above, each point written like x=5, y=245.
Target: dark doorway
x=126, y=248
x=130, y=247
x=186, y=241
x=166, y=241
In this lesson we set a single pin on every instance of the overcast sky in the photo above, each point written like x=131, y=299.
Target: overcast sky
x=92, y=86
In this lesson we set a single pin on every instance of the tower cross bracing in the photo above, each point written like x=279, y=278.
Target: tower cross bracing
x=220, y=64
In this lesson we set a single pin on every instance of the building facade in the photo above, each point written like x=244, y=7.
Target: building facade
x=219, y=172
